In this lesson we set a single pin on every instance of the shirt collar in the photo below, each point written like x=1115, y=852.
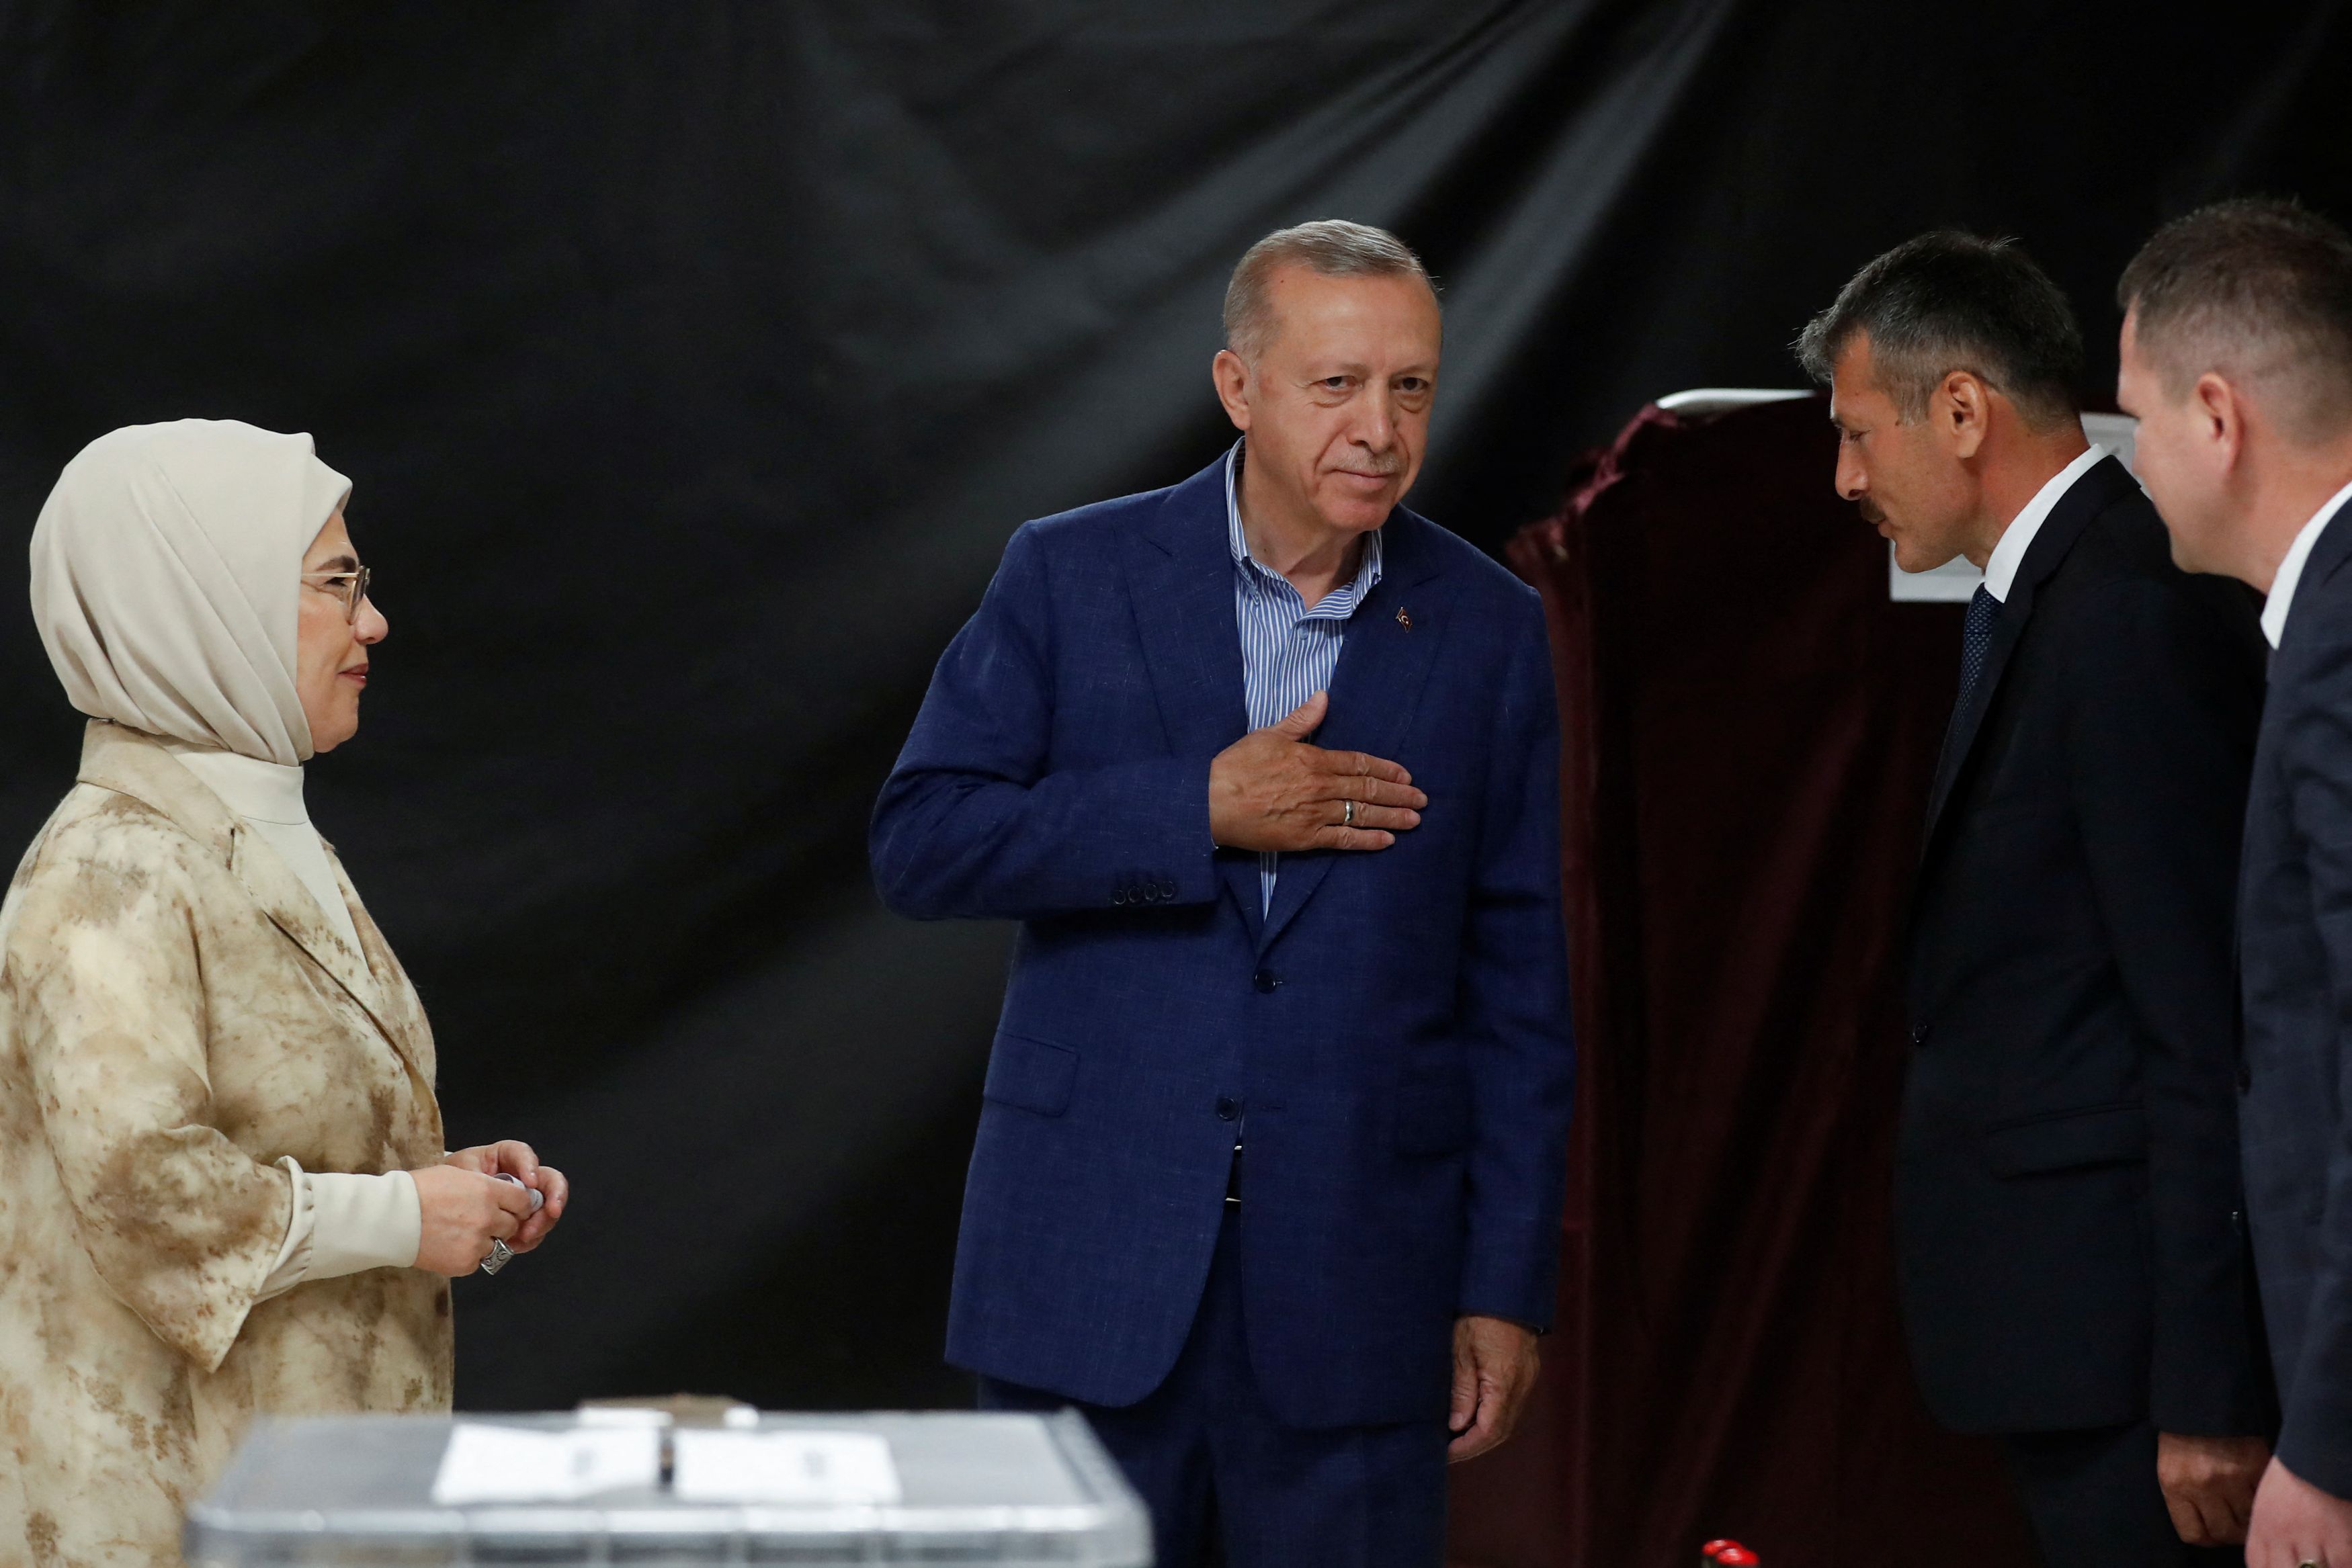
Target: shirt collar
x=2290, y=572
x=2009, y=554
x=1341, y=602
x=256, y=790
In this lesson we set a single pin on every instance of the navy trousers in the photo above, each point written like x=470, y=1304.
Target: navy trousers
x=1228, y=1483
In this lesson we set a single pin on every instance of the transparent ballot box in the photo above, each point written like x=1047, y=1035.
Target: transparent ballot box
x=612, y=1488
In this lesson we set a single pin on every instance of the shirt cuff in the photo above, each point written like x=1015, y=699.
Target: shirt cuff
x=294, y=1252
x=343, y=1224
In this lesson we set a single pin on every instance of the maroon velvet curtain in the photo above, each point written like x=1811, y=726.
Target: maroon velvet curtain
x=1749, y=728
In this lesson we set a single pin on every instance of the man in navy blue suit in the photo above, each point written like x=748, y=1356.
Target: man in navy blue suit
x=1267, y=768
x=2237, y=360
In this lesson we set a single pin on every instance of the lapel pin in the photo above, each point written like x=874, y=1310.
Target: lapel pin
x=1404, y=618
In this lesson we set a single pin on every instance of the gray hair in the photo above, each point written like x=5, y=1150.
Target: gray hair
x=2258, y=290
x=1332, y=247
x=1950, y=301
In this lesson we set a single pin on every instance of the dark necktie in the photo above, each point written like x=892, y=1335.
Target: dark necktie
x=1976, y=640
x=1976, y=643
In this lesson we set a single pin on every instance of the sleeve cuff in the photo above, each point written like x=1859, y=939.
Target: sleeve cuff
x=1530, y=1303
x=343, y=1224
x=2314, y=1447
x=294, y=1253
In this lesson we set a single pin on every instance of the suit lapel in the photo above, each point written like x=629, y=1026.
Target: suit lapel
x=2083, y=500
x=290, y=906
x=1960, y=738
x=2329, y=556
x=1384, y=660
x=291, y=909
x=1180, y=578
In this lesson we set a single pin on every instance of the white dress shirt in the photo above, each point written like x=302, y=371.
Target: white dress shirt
x=2290, y=572
x=340, y=1223
x=2009, y=554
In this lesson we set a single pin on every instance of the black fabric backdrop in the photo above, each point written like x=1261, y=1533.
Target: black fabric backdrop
x=693, y=362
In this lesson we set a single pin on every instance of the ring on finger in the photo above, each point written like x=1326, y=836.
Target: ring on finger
x=1347, y=817
x=501, y=1255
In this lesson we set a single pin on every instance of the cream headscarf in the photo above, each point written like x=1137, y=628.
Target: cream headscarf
x=167, y=570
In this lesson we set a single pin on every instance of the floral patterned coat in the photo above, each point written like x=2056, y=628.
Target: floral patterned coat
x=175, y=1016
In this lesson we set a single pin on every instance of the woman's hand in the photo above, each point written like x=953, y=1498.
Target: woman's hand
x=464, y=1212
x=515, y=1158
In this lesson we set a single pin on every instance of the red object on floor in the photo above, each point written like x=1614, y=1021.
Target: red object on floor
x=1749, y=729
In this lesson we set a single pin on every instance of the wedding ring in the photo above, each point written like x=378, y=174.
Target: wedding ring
x=1348, y=818
x=500, y=1256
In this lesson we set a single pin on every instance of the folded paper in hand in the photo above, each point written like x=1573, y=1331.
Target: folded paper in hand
x=488, y=1463
x=799, y=1466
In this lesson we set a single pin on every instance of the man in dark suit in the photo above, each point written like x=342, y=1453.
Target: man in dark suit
x=2236, y=359
x=1266, y=767
x=2073, y=1266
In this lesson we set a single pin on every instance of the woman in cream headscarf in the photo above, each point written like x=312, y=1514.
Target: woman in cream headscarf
x=222, y=1183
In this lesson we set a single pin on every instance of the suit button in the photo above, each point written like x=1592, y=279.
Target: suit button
x=1119, y=897
x=1167, y=888
x=2237, y=1220
x=1265, y=980
x=1227, y=1108
x=1918, y=1034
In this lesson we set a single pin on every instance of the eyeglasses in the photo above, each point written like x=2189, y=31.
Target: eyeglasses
x=351, y=587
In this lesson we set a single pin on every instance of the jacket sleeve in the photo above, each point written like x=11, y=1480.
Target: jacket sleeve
x=973, y=822
x=2315, y=1434
x=2167, y=696
x=106, y=989
x=1515, y=1005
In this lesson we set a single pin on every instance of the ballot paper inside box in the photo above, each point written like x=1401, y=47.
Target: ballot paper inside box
x=553, y=1490
x=814, y=1467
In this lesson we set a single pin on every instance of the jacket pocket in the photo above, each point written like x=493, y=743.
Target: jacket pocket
x=1030, y=1074
x=1432, y=1114
x=2068, y=1140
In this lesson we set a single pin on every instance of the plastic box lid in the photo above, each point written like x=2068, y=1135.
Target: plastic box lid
x=996, y=1488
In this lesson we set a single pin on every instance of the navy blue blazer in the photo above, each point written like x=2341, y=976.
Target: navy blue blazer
x=1394, y=1030
x=2294, y=961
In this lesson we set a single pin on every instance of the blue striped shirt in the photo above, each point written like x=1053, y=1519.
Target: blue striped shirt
x=1289, y=651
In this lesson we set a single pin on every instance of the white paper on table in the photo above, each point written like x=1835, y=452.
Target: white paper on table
x=799, y=1466
x=486, y=1463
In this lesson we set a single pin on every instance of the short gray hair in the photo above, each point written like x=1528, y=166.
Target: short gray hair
x=1950, y=301
x=1332, y=247
x=2256, y=289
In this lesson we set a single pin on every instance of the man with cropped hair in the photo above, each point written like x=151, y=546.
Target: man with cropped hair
x=1274, y=1137
x=2073, y=1275
x=2237, y=360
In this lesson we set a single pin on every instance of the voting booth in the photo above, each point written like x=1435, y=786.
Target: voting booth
x=635, y=1486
